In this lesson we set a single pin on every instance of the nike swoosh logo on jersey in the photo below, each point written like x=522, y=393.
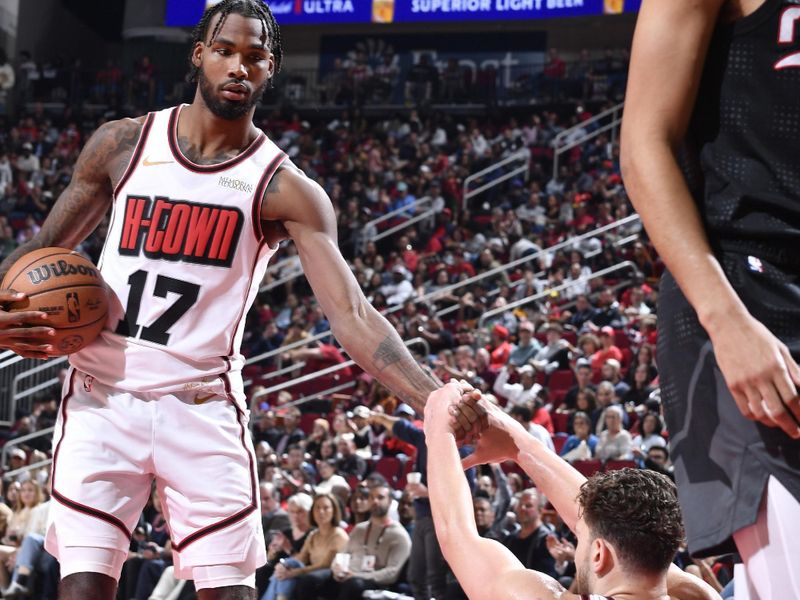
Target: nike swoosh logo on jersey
x=151, y=163
x=200, y=399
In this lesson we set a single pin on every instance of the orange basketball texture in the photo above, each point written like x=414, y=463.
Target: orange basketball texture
x=68, y=288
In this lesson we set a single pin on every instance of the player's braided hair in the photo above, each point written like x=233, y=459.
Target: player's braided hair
x=257, y=9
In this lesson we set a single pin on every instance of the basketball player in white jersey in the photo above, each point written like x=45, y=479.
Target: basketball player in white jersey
x=200, y=199
x=627, y=522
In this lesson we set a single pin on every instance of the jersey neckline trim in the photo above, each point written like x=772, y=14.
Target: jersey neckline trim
x=172, y=135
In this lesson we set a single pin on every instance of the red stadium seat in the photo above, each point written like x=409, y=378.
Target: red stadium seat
x=389, y=467
x=307, y=421
x=559, y=439
x=589, y=467
x=560, y=421
x=562, y=379
x=613, y=465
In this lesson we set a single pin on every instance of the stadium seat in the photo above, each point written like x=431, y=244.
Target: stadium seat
x=559, y=439
x=560, y=421
x=613, y=465
x=589, y=467
x=563, y=379
x=389, y=467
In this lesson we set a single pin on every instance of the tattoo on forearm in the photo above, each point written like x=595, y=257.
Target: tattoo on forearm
x=387, y=354
x=391, y=353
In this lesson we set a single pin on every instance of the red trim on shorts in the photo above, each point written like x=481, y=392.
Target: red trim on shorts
x=261, y=188
x=172, y=136
x=178, y=547
x=77, y=506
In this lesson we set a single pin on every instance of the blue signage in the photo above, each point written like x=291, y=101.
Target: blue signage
x=185, y=13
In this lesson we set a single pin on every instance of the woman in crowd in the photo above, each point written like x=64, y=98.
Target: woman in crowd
x=615, y=442
x=582, y=444
x=359, y=507
x=640, y=387
x=300, y=575
x=650, y=436
x=28, y=497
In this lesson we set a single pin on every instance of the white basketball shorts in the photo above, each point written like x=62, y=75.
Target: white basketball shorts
x=110, y=445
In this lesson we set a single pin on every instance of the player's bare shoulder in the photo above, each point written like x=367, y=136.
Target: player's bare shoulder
x=109, y=150
x=292, y=196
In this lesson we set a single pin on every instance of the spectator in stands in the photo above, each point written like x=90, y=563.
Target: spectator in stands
x=377, y=549
x=529, y=544
x=273, y=517
x=405, y=511
x=588, y=346
x=20, y=524
x=296, y=460
x=585, y=402
x=517, y=394
x=499, y=348
x=610, y=371
x=658, y=460
x=583, y=381
x=329, y=478
x=607, y=314
x=289, y=433
x=582, y=444
x=615, y=442
x=584, y=313
x=651, y=428
x=359, y=506
x=526, y=347
x=606, y=396
x=349, y=462
x=306, y=570
x=400, y=289
x=320, y=432
x=554, y=355
x=7, y=79
x=640, y=389
x=537, y=428
x=645, y=355
x=607, y=350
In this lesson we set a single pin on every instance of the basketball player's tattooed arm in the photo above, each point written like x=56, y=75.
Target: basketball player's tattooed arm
x=74, y=216
x=305, y=211
x=669, y=47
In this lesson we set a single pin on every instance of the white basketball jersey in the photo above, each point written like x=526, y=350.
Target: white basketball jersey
x=183, y=258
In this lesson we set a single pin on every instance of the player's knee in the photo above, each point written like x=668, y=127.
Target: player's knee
x=87, y=586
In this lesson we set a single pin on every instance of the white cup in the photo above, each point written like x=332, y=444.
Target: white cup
x=414, y=478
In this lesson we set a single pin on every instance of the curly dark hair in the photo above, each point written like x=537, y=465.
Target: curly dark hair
x=637, y=512
x=257, y=9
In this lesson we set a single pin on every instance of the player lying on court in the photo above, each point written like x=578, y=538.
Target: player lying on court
x=627, y=522
x=200, y=199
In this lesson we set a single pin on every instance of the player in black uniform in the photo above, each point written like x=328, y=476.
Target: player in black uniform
x=720, y=80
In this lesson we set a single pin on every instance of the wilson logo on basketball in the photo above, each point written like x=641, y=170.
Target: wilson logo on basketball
x=59, y=268
x=180, y=230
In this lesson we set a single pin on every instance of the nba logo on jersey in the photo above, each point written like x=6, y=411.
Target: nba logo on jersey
x=755, y=264
x=73, y=308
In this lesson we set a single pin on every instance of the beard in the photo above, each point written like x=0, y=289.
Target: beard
x=224, y=108
x=379, y=511
x=582, y=583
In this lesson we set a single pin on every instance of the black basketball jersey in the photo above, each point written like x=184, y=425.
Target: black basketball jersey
x=745, y=133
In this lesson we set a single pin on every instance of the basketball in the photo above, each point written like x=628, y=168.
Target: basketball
x=68, y=288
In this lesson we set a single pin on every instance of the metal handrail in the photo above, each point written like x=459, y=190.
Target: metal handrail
x=318, y=395
x=400, y=226
x=524, y=154
x=280, y=350
x=23, y=438
x=278, y=373
x=627, y=264
x=514, y=284
x=560, y=149
x=38, y=465
x=327, y=371
x=398, y=212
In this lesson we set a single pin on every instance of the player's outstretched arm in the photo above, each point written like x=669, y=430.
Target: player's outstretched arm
x=669, y=47
x=76, y=213
x=305, y=211
x=478, y=563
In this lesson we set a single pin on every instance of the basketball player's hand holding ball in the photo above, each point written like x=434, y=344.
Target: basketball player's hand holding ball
x=23, y=332
x=760, y=372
